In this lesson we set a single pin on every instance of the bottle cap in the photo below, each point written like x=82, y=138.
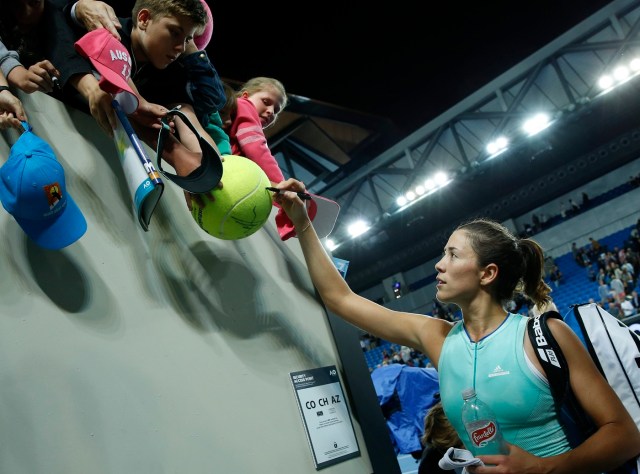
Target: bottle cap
x=468, y=393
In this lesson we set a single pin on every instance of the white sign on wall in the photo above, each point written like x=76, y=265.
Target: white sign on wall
x=326, y=415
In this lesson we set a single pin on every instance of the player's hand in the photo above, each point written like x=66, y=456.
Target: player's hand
x=94, y=14
x=290, y=202
x=516, y=461
x=38, y=78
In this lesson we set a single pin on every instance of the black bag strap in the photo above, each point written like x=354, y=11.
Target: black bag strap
x=204, y=178
x=575, y=420
x=550, y=355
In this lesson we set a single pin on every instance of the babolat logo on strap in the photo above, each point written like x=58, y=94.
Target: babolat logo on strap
x=546, y=353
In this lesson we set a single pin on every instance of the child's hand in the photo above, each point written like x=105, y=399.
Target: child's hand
x=199, y=199
x=150, y=115
x=7, y=120
x=12, y=107
x=39, y=77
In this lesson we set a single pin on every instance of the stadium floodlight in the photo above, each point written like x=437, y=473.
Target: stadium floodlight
x=536, y=124
x=357, y=228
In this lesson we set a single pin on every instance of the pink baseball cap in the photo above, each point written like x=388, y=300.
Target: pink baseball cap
x=202, y=40
x=113, y=62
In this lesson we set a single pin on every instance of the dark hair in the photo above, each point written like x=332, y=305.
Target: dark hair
x=230, y=107
x=520, y=261
x=438, y=431
x=191, y=9
x=29, y=45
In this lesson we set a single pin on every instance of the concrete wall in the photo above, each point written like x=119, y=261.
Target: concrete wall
x=165, y=351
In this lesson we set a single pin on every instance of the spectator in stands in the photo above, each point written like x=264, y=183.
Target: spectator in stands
x=574, y=207
x=585, y=200
x=631, y=262
x=615, y=268
x=575, y=251
x=555, y=275
x=635, y=300
x=586, y=261
x=482, y=266
x=528, y=230
x=603, y=291
x=405, y=353
x=541, y=308
x=363, y=345
x=627, y=280
x=634, y=240
x=543, y=220
x=537, y=227
x=438, y=309
x=519, y=301
x=627, y=306
x=614, y=307
x=594, y=247
x=438, y=436
x=622, y=254
x=591, y=273
x=617, y=288
x=563, y=210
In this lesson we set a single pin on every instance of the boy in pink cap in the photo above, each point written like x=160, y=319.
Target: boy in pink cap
x=164, y=67
x=203, y=85
x=38, y=56
x=95, y=14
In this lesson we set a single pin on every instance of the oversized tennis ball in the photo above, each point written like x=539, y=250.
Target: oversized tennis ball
x=243, y=204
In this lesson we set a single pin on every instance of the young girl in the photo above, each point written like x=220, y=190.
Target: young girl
x=482, y=266
x=258, y=103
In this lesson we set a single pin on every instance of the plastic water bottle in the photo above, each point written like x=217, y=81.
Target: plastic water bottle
x=481, y=425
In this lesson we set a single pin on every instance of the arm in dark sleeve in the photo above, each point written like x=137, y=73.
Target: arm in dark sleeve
x=204, y=86
x=8, y=60
x=122, y=8
x=60, y=47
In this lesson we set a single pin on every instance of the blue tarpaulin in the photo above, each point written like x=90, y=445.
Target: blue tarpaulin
x=405, y=394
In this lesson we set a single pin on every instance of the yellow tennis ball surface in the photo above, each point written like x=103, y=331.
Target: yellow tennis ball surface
x=243, y=204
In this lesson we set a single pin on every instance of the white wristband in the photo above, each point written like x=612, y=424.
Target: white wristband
x=73, y=15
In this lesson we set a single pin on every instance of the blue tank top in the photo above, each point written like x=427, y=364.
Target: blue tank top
x=519, y=397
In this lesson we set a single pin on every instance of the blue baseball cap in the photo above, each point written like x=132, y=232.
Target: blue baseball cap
x=33, y=190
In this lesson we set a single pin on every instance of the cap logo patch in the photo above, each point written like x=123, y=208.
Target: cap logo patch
x=53, y=194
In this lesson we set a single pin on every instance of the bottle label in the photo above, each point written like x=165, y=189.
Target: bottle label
x=483, y=435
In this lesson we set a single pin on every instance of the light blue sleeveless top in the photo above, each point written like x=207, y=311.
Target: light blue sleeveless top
x=504, y=379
